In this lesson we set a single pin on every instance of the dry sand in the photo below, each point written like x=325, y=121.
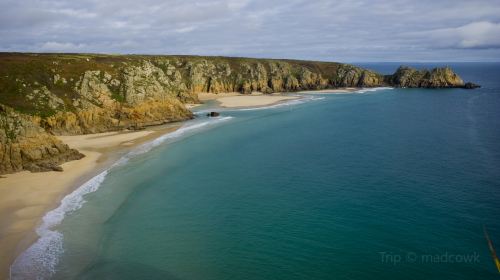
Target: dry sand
x=25, y=197
x=332, y=91
x=236, y=100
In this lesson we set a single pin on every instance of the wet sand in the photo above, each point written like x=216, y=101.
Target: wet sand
x=25, y=197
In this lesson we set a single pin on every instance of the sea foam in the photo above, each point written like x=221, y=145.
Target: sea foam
x=39, y=261
x=365, y=90
x=288, y=103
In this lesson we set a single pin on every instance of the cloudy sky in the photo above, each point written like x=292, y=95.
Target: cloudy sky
x=336, y=30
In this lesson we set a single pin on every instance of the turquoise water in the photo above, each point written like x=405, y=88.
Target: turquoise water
x=387, y=184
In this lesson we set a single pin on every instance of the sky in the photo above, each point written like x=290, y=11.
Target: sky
x=336, y=30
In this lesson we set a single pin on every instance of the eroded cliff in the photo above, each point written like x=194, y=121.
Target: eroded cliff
x=26, y=146
x=66, y=94
x=435, y=78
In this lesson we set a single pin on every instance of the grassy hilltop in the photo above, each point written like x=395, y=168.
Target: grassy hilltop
x=64, y=94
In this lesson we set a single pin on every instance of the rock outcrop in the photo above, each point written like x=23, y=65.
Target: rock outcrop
x=65, y=94
x=351, y=76
x=117, y=117
x=470, y=85
x=26, y=146
x=436, y=78
x=213, y=114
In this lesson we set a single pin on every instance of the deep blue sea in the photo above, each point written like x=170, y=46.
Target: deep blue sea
x=382, y=184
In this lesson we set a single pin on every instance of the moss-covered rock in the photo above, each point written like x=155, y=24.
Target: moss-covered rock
x=436, y=78
x=83, y=93
x=26, y=146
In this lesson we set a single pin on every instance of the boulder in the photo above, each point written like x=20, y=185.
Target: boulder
x=470, y=85
x=213, y=114
x=435, y=78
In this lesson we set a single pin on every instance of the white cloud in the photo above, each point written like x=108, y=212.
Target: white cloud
x=73, y=13
x=342, y=30
x=475, y=35
x=479, y=35
x=61, y=47
x=186, y=29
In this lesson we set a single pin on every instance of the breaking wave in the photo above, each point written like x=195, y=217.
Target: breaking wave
x=39, y=261
x=292, y=102
x=365, y=90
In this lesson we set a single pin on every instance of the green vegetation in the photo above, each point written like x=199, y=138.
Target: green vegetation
x=44, y=84
x=22, y=73
x=89, y=93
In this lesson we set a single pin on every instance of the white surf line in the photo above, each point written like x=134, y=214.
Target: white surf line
x=40, y=260
x=292, y=102
x=365, y=90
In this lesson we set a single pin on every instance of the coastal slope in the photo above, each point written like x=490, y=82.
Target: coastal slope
x=72, y=94
x=26, y=146
x=436, y=78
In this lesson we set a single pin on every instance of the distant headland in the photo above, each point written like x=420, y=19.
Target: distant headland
x=42, y=95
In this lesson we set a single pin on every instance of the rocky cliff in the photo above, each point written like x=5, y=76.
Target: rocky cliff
x=436, y=78
x=74, y=94
x=66, y=94
x=26, y=146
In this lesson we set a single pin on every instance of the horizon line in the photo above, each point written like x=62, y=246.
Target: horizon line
x=249, y=57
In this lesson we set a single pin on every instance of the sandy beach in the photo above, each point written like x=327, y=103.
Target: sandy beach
x=25, y=197
x=238, y=100
x=331, y=91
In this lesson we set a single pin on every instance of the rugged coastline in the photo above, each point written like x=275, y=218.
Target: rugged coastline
x=25, y=200
x=72, y=94
x=52, y=104
x=25, y=197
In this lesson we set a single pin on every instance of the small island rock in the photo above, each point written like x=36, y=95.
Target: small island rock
x=213, y=114
x=470, y=85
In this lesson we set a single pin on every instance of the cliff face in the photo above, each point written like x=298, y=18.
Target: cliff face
x=26, y=146
x=66, y=94
x=436, y=78
x=92, y=93
x=75, y=97
x=73, y=94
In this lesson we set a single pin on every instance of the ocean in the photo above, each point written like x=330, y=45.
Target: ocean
x=382, y=184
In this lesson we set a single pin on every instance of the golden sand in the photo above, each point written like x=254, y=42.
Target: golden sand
x=25, y=197
x=236, y=100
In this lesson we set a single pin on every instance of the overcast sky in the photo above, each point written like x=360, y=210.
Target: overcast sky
x=337, y=30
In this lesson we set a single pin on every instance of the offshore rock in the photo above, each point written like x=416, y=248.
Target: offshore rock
x=213, y=114
x=436, y=78
x=67, y=94
x=470, y=85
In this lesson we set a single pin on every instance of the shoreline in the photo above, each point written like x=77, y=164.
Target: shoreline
x=258, y=99
x=332, y=91
x=26, y=197
x=24, y=200
x=236, y=100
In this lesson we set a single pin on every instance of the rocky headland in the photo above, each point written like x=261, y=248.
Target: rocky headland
x=27, y=146
x=42, y=95
x=435, y=78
